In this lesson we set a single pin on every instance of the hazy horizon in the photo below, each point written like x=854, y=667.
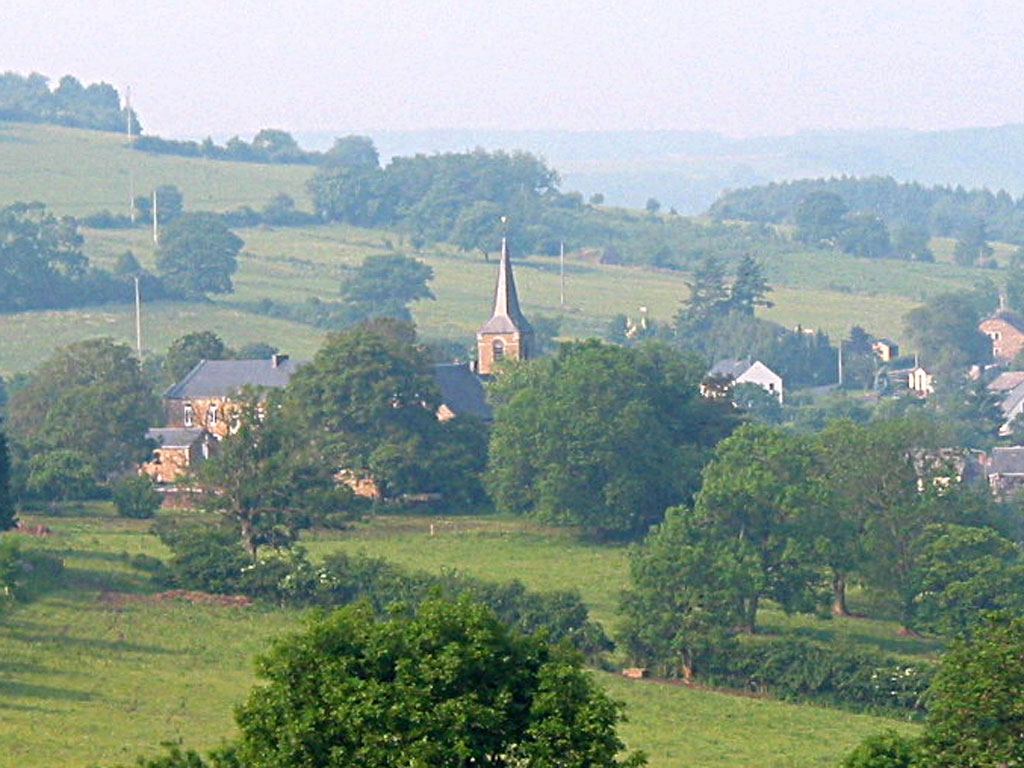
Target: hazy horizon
x=779, y=68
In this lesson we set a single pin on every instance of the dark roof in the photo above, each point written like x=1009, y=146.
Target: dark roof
x=220, y=378
x=730, y=367
x=1007, y=461
x=462, y=390
x=507, y=317
x=175, y=437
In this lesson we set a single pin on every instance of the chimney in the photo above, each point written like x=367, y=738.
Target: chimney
x=277, y=360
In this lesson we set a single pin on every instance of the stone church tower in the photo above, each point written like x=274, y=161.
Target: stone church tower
x=507, y=335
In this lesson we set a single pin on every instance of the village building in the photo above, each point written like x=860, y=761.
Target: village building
x=885, y=350
x=1005, y=329
x=1005, y=471
x=725, y=374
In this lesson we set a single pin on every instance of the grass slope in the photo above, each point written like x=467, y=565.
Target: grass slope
x=100, y=670
x=78, y=172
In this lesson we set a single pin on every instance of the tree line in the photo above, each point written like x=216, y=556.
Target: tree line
x=29, y=98
x=880, y=217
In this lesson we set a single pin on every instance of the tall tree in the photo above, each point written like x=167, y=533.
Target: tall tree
x=756, y=496
x=385, y=284
x=750, y=287
x=708, y=297
x=186, y=351
x=819, y=218
x=266, y=480
x=89, y=398
x=369, y=401
x=945, y=332
x=8, y=516
x=448, y=686
x=684, y=596
x=602, y=437
x=198, y=255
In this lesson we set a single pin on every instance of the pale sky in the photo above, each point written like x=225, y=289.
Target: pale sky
x=209, y=67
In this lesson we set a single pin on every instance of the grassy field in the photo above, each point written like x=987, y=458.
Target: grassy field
x=100, y=669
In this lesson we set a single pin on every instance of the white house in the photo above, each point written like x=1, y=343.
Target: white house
x=746, y=372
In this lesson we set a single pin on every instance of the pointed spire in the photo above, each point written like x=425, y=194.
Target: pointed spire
x=507, y=317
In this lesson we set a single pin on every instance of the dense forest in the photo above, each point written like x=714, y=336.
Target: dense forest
x=856, y=207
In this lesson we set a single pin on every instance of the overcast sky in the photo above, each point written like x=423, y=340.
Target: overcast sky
x=211, y=67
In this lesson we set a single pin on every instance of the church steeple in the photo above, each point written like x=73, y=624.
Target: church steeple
x=507, y=335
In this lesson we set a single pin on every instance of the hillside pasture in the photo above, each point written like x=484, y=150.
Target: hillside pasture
x=104, y=667
x=78, y=172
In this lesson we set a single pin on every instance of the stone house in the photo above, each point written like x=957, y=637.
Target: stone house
x=208, y=394
x=1005, y=471
x=1006, y=331
x=178, y=449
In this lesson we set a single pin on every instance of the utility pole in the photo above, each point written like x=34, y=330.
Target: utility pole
x=561, y=272
x=156, y=222
x=138, y=318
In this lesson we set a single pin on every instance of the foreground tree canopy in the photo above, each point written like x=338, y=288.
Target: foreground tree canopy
x=448, y=686
x=602, y=437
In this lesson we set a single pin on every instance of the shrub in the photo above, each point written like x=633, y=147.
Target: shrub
x=135, y=497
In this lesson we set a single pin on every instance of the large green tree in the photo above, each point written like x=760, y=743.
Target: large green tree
x=602, y=437
x=41, y=259
x=198, y=255
x=369, y=402
x=684, y=596
x=385, y=284
x=757, y=497
x=447, y=686
x=944, y=330
x=89, y=399
x=266, y=480
x=186, y=351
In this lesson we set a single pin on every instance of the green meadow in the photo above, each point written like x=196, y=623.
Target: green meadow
x=102, y=668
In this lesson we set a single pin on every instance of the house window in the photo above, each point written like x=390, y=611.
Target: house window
x=187, y=415
x=211, y=415
x=498, y=350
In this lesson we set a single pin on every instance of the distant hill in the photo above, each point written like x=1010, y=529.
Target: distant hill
x=689, y=170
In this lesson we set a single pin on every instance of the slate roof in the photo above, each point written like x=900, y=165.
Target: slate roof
x=1006, y=381
x=175, y=437
x=730, y=367
x=507, y=317
x=220, y=378
x=1007, y=461
x=462, y=390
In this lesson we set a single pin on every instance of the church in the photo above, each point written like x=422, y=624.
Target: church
x=507, y=335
